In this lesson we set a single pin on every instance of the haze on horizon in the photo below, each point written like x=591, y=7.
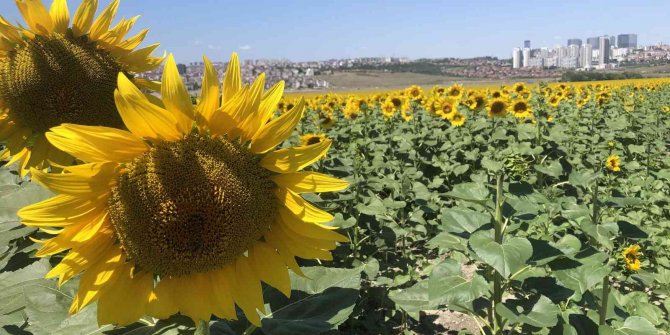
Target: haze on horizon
x=304, y=30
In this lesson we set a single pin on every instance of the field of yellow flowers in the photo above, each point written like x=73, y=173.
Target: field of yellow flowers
x=536, y=209
x=556, y=193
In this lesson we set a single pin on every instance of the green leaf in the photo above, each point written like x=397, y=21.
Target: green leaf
x=463, y=220
x=554, y=169
x=412, y=300
x=470, y=192
x=633, y=325
x=320, y=301
x=582, y=278
x=455, y=290
x=506, y=258
x=491, y=165
x=543, y=314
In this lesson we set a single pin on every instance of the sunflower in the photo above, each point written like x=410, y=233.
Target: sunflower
x=613, y=163
x=520, y=108
x=447, y=106
x=414, y=92
x=631, y=257
x=519, y=88
x=190, y=209
x=53, y=73
x=666, y=109
x=554, y=101
x=456, y=119
x=388, y=109
x=438, y=90
x=455, y=91
x=327, y=117
x=497, y=107
x=312, y=138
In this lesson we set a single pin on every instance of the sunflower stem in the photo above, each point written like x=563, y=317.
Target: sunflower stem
x=202, y=328
x=250, y=330
x=604, y=300
x=497, y=278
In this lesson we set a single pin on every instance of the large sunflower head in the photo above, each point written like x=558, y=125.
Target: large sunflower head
x=52, y=72
x=497, y=107
x=190, y=209
x=631, y=257
x=613, y=163
x=520, y=108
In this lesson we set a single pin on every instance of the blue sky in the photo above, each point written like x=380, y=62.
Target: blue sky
x=316, y=30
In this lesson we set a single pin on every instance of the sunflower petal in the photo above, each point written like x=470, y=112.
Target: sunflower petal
x=86, y=180
x=143, y=118
x=60, y=16
x=36, y=15
x=295, y=159
x=193, y=296
x=302, y=208
x=209, y=95
x=224, y=304
x=102, y=23
x=96, y=144
x=247, y=290
x=232, y=81
x=284, y=252
x=125, y=302
x=98, y=278
x=175, y=97
x=270, y=101
x=309, y=182
x=301, y=249
x=308, y=229
x=277, y=130
x=162, y=301
x=270, y=267
x=83, y=17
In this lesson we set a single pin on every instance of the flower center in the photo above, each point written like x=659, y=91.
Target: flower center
x=191, y=206
x=57, y=79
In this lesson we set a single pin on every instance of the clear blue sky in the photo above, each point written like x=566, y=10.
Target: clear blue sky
x=321, y=29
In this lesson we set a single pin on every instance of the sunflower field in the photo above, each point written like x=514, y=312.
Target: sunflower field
x=130, y=207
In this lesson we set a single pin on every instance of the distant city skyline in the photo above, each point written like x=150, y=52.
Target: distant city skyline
x=303, y=30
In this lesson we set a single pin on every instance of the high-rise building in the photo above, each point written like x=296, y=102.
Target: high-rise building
x=516, y=58
x=627, y=41
x=573, y=50
x=526, y=44
x=586, y=56
x=575, y=41
x=181, y=68
x=594, y=41
x=612, y=41
x=525, y=54
x=604, y=50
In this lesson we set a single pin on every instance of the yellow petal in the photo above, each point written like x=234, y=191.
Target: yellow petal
x=83, y=17
x=140, y=60
x=81, y=258
x=97, y=144
x=296, y=158
x=299, y=248
x=9, y=31
x=209, y=95
x=270, y=267
x=302, y=208
x=36, y=15
x=248, y=115
x=143, y=118
x=98, y=278
x=193, y=294
x=247, y=290
x=284, y=252
x=133, y=42
x=309, y=182
x=232, y=81
x=60, y=16
x=162, y=301
x=300, y=239
x=224, y=304
x=175, y=97
x=270, y=101
x=277, y=130
x=308, y=229
x=38, y=153
x=125, y=301
x=102, y=23
x=88, y=180
x=61, y=211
